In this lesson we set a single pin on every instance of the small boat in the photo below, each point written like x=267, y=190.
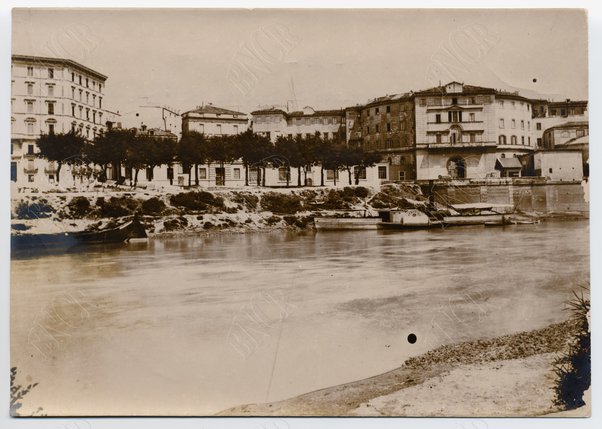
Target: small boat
x=406, y=219
x=346, y=223
x=129, y=230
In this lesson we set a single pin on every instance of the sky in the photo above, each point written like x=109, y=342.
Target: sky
x=327, y=59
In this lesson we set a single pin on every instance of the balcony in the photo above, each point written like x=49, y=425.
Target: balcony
x=457, y=145
x=50, y=170
x=30, y=170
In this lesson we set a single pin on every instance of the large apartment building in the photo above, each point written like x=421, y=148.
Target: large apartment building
x=386, y=125
x=51, y=95
x=473, y=132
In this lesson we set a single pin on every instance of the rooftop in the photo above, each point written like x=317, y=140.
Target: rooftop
x=57, y=61
x=213, y=110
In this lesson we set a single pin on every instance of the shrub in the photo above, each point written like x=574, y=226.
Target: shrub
x=208, y=225
x=79, y=207
x=175, y=224
x=573, y=368
x=281, y=203
x=273, y=220
x=117, y=206
x=196, y=200
x=290, y=220
x=153, y=206
x=34, y=210
x=361, y=192
x=249, y=201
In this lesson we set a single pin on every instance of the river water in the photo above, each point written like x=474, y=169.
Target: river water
x=194, y=325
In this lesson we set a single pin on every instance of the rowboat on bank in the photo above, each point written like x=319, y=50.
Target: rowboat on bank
x=129, y=230
x=346, y=223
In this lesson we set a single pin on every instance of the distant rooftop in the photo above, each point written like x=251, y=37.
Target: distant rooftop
x=57, y=61
x=213, y=110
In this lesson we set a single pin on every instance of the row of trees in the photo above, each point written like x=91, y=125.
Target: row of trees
x=143, y=151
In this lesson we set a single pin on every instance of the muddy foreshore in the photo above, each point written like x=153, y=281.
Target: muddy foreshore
x=522, y=359
x=210, y=212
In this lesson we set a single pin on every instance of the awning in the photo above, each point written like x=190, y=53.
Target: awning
x=506, y=163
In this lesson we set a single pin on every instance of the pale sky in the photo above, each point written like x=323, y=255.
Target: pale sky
x=325, y=59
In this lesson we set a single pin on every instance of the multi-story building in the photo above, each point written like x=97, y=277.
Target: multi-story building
x=548, y=114
x=154, y=117
x=465, y=131
x=386, y=125
x=274, y=123
x=51, y=95
x=214, y=121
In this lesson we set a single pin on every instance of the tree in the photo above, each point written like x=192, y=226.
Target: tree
x=109, y=148
x=253, y=149
x=287, y=154
x=220, y=149
x=158, y=151
x=190, y=151
x=61, y=148
x=325, y=153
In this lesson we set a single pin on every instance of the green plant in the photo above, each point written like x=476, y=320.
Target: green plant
x=573, y=368
x=153, y=206
x=196, y=200
x=33, y=210
x=280, y=203
x=79, y=207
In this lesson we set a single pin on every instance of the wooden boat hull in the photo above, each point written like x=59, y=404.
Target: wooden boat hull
x=489, y=219
x=121, y=234
x=342, y=224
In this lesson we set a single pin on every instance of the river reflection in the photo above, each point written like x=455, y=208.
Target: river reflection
x=195, y=325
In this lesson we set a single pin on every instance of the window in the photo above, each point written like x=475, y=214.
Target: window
x=100, y=102
x=377, y=128
x=513, y=123
x=236, y=173
x=50, y=73
x=539, y=142
x=438, y=118
x=87, y=98
x=87, y=83
x=367, y=130
x=471, y=117
x=30, y=71
x=538, y=126
x=73, y=92
x=29, y=149
x=50, y=128
x=528, y=124
x=388, y=128
x=550, y=170
x=438, y=138
x=501, y=123
x=72, y=77
x=513, y=105
x=87, y=114
x=502, y=139
x=382, y=172
x=454, y=116
x=473, y=137
x=283, y=174
x=359, y=172
x=94, y=100
x=202, y=173
x=529, y=138
x=30, y=128
x=388, y=109
x=332, y=174
x=235, y=129
x=30, y=107
x=219, y=128
x=51, y=90
x=402, y=175
x=80, y=79
x=80, y=94
x=73, y=110
x=30, y=89
x=422, y=102
x=522, y=125
x=51, y=108
x=30, y=178
x=99, y=87
x=513, y=140
x=454, y=100
x=522, y=140
x=94, y=116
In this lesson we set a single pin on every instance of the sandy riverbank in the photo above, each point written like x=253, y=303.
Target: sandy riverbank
x=505, y=376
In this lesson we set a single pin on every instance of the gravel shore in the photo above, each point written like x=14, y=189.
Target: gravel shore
x=465, y=372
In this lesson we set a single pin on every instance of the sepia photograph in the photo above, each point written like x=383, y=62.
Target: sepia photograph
x=299, y=212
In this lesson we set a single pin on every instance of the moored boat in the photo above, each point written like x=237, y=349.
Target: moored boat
x=128, y=230
x=346, y=223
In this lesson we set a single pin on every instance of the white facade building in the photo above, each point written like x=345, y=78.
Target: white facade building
x=51, y=95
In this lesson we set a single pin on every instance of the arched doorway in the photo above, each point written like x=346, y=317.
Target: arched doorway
x=456, y=167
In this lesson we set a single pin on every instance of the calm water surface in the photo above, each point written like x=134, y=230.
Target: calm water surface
x=198, y=324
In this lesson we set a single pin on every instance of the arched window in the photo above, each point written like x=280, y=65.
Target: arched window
x=513, y=140
x=502, y=139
